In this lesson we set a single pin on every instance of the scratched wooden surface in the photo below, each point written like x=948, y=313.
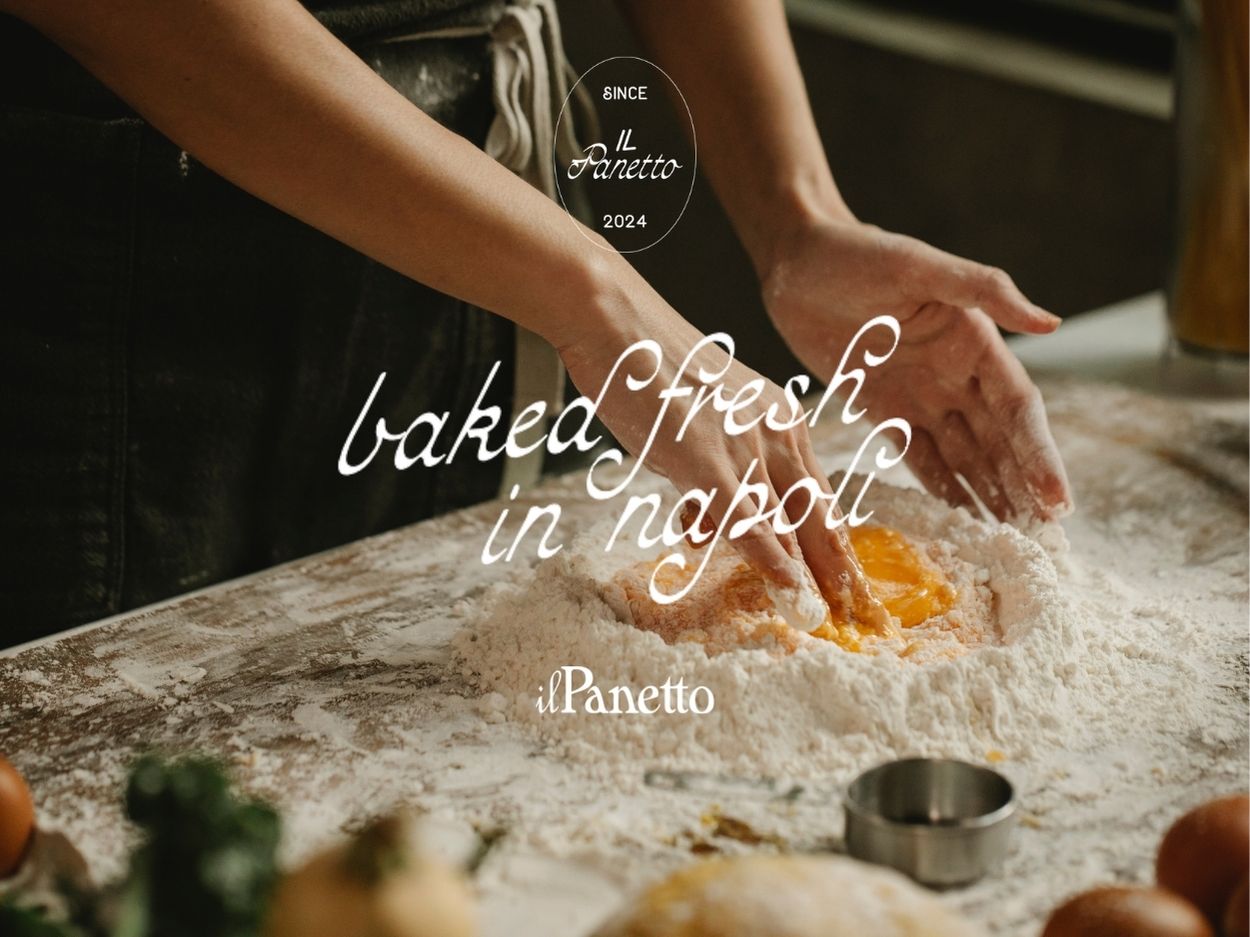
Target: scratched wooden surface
x=329, y=685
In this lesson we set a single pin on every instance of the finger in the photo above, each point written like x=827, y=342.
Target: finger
x=938, y=478
x=965, y=283
x=1014, y=404
x=802, y=606
x=994, y=440
x=829, y=553
x=777, y=558
x=961, y=451
x=995, y=433
x=758, y=544
x=1035, y=447
x=696, y=536
x=830, y=558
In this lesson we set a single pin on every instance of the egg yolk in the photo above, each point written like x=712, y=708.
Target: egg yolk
x=910, y=588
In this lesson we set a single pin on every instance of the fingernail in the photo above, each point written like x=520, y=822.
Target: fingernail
x=801, y=605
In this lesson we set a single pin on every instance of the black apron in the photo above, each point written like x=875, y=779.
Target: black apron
x=180, y=363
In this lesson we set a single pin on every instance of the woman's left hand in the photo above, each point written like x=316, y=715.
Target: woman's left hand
x=973, y=410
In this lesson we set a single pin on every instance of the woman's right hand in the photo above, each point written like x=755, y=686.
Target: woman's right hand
x=706, y=457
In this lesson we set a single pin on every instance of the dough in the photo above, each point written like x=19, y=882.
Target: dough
x=787, y=896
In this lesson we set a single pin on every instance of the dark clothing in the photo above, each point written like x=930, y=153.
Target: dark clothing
x=373, y=19
x=180, y=363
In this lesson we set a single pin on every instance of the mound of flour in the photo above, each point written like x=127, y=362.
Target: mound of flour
x=813, y=712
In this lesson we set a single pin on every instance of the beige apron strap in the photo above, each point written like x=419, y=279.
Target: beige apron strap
x=530, y=82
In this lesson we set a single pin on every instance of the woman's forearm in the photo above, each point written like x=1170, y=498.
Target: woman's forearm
x=758, y=144
x=264, y=95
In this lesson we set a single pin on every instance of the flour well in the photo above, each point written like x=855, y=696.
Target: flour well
x=820, y=709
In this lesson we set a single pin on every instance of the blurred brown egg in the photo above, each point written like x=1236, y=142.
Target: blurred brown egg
x=1237, y=914
x=1206, y=854
x=1125, y=911
x=17, y=818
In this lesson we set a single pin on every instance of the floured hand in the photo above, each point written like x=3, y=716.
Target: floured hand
x=976, y=417
x=688, y=444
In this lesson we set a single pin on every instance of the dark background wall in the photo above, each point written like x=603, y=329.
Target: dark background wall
x=1068, y=194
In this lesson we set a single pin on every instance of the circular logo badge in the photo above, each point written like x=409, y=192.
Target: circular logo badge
x=637, y=186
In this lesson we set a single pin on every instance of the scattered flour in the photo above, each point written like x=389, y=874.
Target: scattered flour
x=334, y=687
x=820, y=710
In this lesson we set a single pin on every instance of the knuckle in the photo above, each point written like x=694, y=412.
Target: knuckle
x=1021, y=400
x=978, y=333
x=840, y=542
x=757, y=540
x=901, y=245
x=990, y=283
x=920, y=454
x=775, y=452
x=997, y=281
x=951, y=425
x=801, y=435
x=794, y=445
x=790, y=543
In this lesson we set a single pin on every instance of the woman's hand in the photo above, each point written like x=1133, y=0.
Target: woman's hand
x=974, y=412
x=708, y=458
x=972, y=407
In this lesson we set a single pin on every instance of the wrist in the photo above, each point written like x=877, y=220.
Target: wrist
x=599, y=298
x=791, y=209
